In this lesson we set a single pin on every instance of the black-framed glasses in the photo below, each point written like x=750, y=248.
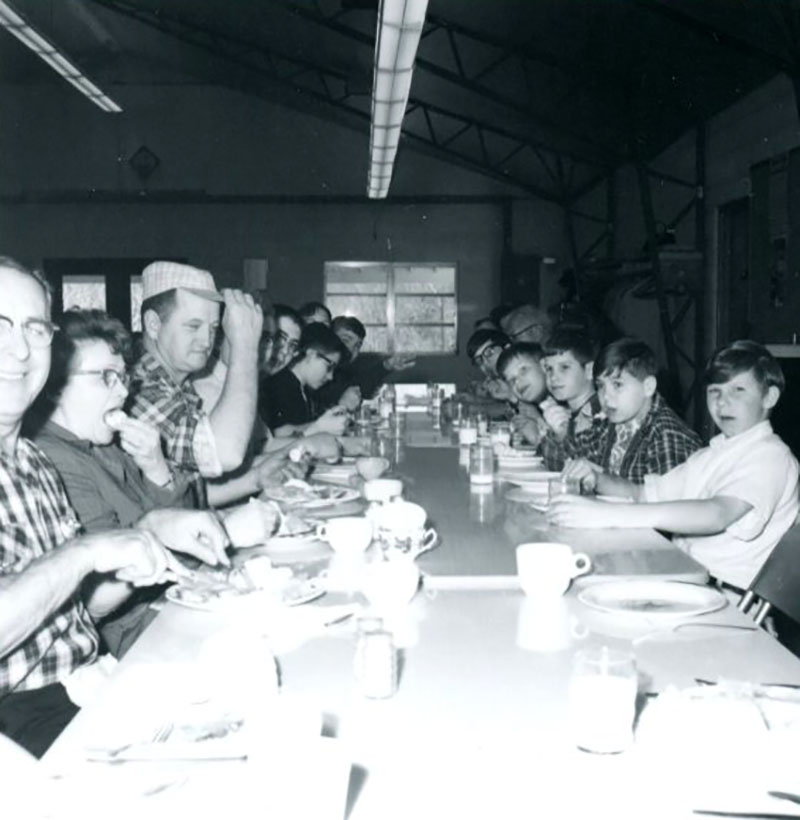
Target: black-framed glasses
x=109, y=376
x=330, y=362
x=287, y=342
x=524, y=330
x=36, y=332
x=484, y=355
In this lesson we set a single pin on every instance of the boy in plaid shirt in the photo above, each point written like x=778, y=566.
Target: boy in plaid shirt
x=640, y=434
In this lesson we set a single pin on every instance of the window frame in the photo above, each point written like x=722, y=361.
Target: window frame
x=391, y=297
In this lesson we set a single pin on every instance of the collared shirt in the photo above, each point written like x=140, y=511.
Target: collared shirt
x=177, y=411
x=105, y=486
x=755, y=467
x=662, y=442
x=35, y=518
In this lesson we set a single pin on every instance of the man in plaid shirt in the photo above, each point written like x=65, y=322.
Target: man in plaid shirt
x=46, y=623
x=180, y=319
x=640, y=434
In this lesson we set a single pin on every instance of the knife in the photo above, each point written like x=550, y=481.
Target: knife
x=748, y=814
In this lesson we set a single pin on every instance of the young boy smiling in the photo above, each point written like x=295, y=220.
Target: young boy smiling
x=731, y=502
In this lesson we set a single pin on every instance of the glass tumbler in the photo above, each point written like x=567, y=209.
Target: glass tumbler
x=602, y=699
x=481, y=463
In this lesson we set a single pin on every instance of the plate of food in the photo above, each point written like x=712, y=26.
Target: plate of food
x=211, y=588
x=298, y=493
x=668, y=599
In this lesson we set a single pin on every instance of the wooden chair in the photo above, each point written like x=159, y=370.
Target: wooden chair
x=778, y=581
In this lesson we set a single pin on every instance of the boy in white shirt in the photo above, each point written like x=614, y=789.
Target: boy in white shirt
x=728, y=504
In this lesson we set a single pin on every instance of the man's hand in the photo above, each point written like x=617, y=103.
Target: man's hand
x=252, y=523
x=399, y=361
x=195, y=532
x=333, y=421
x=321, y=446
x=241, y=322
x=587, y=472
x=351, y=398
x=498, y=389
x=557, y=417
x=142, y=442
x=133, y=555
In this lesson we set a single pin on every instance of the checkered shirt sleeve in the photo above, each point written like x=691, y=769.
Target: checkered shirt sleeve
x=176, y=410
x=662, y=442
x=35, y=518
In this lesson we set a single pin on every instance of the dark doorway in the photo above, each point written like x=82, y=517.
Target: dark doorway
x=734, y=318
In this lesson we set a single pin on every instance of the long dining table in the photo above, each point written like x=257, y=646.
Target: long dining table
x=477, y=727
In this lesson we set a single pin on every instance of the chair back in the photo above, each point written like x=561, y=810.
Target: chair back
x=778, y=581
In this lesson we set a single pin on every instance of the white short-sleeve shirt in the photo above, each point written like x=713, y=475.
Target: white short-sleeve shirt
x=755, y=467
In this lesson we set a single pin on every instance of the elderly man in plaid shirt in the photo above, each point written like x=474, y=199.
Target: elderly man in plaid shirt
x=180, y=320
x=47, y=612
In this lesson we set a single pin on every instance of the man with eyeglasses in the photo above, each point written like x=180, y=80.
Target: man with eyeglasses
x=47, y=610
x=180, y=320
x=484, y=347
x=527, y=323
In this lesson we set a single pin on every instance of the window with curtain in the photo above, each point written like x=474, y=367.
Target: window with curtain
x=408, y=307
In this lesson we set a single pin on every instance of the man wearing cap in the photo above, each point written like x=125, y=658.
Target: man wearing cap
x=180, y=320
x=54, y=582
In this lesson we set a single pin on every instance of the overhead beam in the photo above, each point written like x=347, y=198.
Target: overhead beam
x=269, y=62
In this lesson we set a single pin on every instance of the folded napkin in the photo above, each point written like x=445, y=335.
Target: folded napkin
x=723, y=747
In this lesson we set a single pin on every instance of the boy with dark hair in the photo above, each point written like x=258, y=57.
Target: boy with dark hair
x=286, y=404
x=640, y=434
x=729, y=503
x=312, y=312
x=568, y=360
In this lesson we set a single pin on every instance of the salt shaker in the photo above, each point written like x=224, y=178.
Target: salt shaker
x=376, y=662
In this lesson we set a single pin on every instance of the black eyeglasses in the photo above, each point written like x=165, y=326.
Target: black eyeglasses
x=109, y=376
x=524, y=330
x=36, y=332
x=330, y=362
x=483, y=356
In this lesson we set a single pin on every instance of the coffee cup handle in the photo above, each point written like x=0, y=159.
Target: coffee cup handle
x=429, y=540
x=321, y=532
x=582, y=564
x=578, y=630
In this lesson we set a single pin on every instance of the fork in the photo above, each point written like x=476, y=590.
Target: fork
x=161, y=735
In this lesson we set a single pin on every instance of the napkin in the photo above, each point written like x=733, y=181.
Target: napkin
x=724, y=747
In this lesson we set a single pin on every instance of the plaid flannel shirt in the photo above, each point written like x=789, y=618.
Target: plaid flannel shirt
x=35, y=517
x=177, y=411
x=662, y=442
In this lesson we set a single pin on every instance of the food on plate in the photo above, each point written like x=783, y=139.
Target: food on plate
x=298, y=492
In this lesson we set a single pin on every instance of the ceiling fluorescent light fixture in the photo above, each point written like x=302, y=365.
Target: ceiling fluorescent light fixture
x=42, y=47
x=400, y=24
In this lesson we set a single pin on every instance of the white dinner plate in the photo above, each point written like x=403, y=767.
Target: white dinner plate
x=653, y=598
x=295, y=592
x=535, y=481
x=320, y=495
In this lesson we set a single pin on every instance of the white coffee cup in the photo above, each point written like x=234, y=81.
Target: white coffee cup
x=546, y=568
x=350, y=534
x=403, y=522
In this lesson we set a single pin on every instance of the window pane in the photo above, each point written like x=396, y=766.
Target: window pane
x=371, y=310
x=341, y=278
x=423, y=309
x=377, y=340
x=84, y=292
x=425, y=339
x=424, y=279
x=136, y=303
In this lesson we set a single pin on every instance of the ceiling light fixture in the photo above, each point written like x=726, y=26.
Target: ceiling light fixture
x=400, y=24
x=39, y=45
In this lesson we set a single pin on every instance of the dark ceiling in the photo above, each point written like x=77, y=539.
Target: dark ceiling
x=545, y=94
